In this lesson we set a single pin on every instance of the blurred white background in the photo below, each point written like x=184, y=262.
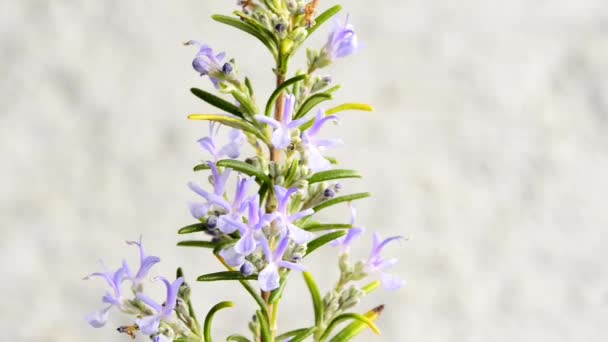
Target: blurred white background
x=488, y=147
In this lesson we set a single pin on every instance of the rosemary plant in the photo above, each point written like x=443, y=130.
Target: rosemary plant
x=262, y=234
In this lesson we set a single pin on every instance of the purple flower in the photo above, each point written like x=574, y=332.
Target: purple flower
x=377, y=264
x=149, y=324
x=251, y=232
x=342, y=40
x=269, y=278
x=115, y=298
x=314, y=145
x=281, y=136
x=285, y=221
x=145, y=263
x=207, y=63
x=197, y=209
x=232, y=257
x=234, y=211
x=231, y=149
x=354, y=233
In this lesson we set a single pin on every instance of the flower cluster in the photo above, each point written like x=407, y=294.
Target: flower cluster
x=258, y=210
x=152, y=318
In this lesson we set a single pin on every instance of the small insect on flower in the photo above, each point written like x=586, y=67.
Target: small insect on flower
x=130, y=330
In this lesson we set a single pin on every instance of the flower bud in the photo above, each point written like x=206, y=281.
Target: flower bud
x=298, y=35
x=247, y=268
x=227, y=68
x=184, y=291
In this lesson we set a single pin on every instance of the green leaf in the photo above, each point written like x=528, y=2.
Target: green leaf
x=319, y=227
x=245, y=168
x=323, y=17
x=237, y=338
x=356, y=327
x=279, y=90
x=340, y=108
x=291, y=333
x=253, y=292
x=341, y=199
x=324, y=176
x=371, y=287
x=232, y=121
x=249, y=86
x=349, y=316
x=265, y=330
x=252, y=30
x=217, y=102
x=303, y=335
x=201, y=167
x=350, y=106
x=209, y=318
x=193, y=228
x=317, y=302
x=197, y=243
x=323, y=240
x=268, y=34
x=311, y=102
x=226, y=275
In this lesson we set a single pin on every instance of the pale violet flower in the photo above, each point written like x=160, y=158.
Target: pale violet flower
x=114, y=298
x=315, y=146
x=234, y=210
x=285, y=220
x=231, y=149
x=145, y=263
x=353, y=233
x=198, y=209
x=251, y=232
x=207, y=63
x=149, y=325
x=342, y=40
x=232, y=257
x=281, y=136
x=377, y=264
x=269, y=278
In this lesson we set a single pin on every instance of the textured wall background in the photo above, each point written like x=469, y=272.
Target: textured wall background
x=488, y=147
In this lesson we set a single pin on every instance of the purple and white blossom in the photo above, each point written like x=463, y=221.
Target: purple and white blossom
x=314, y=146
x=114, y=298
x=377, y=264
x=251, y=232
x=145, y=263
x=281, y=136
x=198, y=209
x=207, y=63
x=231, y=149
x=285, y=220
x=269, y=278
x=234, y=210
x=342, y=40
x=149, y=325
x=353, y=233
x=232, y=257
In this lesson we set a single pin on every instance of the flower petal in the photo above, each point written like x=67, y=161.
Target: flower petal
x=246, y=244
x=269, y=277
x=391, y=282
x=299, y=235
x=291, y=265
x=99, y=318
x=148, y=325
x=232, y=257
